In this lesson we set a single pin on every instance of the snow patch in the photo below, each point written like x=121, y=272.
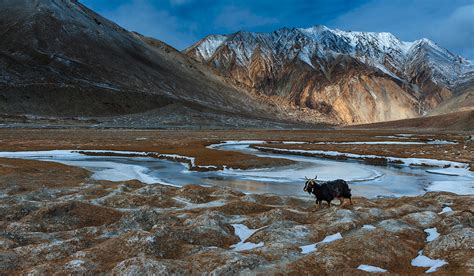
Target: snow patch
x=305, y=249
x=305, y=56
x=379, y=143
x=432, y=142
x=292, y=142
x=244, y=233
x=370, y=268
x=432, y=234
x=210, y=45
x=441, y=142
x=423, y=261
x=368, y=227
x=190, y=205
x=445, y=210
x=236, y=142
x=75, y=263
x=332, y=238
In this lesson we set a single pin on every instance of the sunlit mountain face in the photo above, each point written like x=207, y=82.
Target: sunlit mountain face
x=356, y=77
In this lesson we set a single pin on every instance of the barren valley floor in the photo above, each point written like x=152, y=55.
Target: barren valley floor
x=58, y=218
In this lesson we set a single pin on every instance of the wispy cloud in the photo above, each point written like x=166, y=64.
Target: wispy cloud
x=183, y=22
x=144, y=17
x=180, y=2
x=449, y=23
x=232, y=16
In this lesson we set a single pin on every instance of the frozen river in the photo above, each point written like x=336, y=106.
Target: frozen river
x=365, y=179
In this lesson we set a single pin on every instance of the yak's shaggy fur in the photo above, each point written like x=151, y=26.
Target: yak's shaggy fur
x=329, y=190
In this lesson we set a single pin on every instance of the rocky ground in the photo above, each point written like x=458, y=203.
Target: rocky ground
x=56, y=219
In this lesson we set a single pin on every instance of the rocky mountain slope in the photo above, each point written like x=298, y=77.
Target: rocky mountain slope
x=353, y=77
x=453, y=121
x=462, y=100
x=58, y=58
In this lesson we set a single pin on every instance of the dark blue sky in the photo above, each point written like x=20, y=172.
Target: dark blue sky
x=180, y=23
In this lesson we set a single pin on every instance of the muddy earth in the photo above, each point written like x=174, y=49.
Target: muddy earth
x=58, y=219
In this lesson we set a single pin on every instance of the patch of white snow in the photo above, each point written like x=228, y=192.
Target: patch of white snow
x=432, y=234
x=305, y=249
x=370, y=268
x=445, y=210
x=244, y=233
x=423, y=261
x=368, y=227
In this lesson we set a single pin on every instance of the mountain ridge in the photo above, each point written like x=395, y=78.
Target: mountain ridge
x=355, y=39
x=420, y=74
x=59, y=58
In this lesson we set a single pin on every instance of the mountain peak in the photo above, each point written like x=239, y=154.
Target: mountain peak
x=317, y=27
x=324, y=69
x=372, y=48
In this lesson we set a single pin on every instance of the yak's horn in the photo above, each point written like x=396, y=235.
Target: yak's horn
x=306, y=178
x=316, y=177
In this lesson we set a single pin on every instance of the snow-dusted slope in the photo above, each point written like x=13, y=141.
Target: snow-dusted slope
x=337, y=72
x=380, y=50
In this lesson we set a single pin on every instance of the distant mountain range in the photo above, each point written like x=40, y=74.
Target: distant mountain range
x=353, y=77
x=60, y=59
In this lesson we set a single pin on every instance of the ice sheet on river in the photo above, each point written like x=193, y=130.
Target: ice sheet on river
x=405, y=161
x=324, y=169
x=366, y=180
x=102, y=170
x=460, y=187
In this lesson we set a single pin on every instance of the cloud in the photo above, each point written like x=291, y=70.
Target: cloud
x=448, y=23
x=180, y=2
x=456, y=31
x=234, y=18
x=183, y=22
x=143, y=17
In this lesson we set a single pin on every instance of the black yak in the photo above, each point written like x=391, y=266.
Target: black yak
x=329, y=190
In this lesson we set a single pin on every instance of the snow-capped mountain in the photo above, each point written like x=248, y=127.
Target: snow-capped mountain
x=59, y=58
x=329, y=61
x=381, y=50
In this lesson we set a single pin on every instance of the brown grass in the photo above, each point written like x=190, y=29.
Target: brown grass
x=446, y=152
x=20, y=176
x=194, y=143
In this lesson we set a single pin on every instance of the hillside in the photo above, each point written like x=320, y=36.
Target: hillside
x=63, y=64
x=352, y=77
x=462, y=100
x=457, y=121
x=60, y=59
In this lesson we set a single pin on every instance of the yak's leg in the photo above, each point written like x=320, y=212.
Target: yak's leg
x=350, y=199
x=341, y=199
x=329, y=204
